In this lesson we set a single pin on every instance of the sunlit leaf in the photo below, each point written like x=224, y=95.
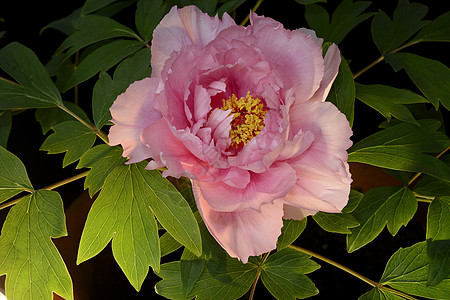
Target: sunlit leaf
x=430, y=76
x=71, y=137
x=430, y=186
x=168, y=244
x=5, y=126
x=347, y=16
x=436, y=31
x=191, y=268
x=393, y=206
x=102, y=59
x=342, y=93
x=438, y=240
x=353, y=201
x=122, y=213
x=36, y=89
x=13, y=176
x=338, y=223
x=102, y=160
x=389, y=101
x=389, y=34
x=290, y=231
x=407, y=271
x=379, y=294
x=283, y=275
x=34, y=269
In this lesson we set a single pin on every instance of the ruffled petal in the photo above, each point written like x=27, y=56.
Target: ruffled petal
x=131, y=113
x=181, y=27
x=264, y=187
x=332, y=61
x=296, y=57
x=296, y=213
x=244, y=233
x=330, y=127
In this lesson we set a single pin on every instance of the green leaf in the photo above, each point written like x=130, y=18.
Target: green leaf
x=430, y=76
x=353, y=201
x=106, y=89
x=388, y=35
x=102, y=160
x=93, y=5
x=102, y=59
x=438, y=240
x=13, y=176
x=389, y=101
x=122, y=213
x=224, y=279
x=337, y=223
x=379, y=294
x=430, y=186
x=399, y=148
x=347, y=16
x=148, y=14
x=168, y=244
x=65, y=24
x=283, y=275
x=171, y=210
x=91, y=29
x=290, y=231
x=71, y=137
x=392, y=205
x=31, y=261
x=407, y=271
x=342, y=93
x=191, y=267
x=49, y=117
x=5, y=127
x=229, y=6
x=36, y=89
x=306, y=2
x=436, y=31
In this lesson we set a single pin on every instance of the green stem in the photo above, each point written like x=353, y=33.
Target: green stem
x=423, y=198
x=253, y=10
x=258, y=273
x=98, y=132
x=47, y=188
x=351, y=272
x=381, y=58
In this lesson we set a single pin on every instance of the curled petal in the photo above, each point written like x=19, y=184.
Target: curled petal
x=131, y=113
x=296, y=213
x=242, y=233
x=263, y=188
x=332, y=61
x=182, y=27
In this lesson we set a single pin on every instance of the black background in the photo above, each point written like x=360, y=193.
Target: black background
x=102, y=278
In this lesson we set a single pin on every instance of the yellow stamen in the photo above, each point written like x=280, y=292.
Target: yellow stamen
x=248, y=119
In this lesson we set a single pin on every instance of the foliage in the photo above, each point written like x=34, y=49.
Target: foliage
x=148, y=218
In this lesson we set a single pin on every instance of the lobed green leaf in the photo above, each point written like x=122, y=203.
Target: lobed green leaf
x=33, y=266
x=5, y=126
x=71, y=137
x=337, y=223
x=13, y=176
x=379, y=294
x=393, y=206
x=93, y=5
x=290, y=232
x=436, y=31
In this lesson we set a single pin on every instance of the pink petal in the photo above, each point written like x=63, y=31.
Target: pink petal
x=264, y=187
x=330, y=127
x=296, y=213
x=296, y=57
x=131, y=113
x=181, y=27
x=244, y=233
x=332, y=61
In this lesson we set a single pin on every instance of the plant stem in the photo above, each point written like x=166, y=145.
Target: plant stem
x=351, y=272
x=9, y=81
x=258, y=273
x=381, y=58
x=47, y=188
x=423, y=198
x=253, y=10
x=99, y=133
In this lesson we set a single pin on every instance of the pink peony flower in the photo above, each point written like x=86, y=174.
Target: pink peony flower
x=241, y=112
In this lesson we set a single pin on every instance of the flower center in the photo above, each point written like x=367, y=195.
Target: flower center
x=248, y=119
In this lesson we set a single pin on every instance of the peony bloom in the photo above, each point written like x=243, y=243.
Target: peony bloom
x=241, y=112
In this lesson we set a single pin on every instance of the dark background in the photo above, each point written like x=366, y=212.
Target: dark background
x=100, y=277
